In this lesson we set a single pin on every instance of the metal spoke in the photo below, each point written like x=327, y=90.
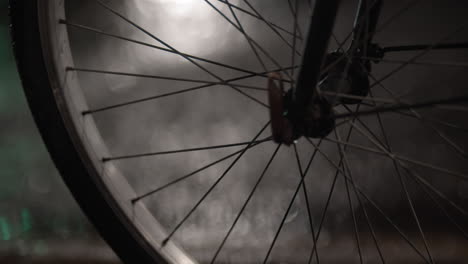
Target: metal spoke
x=457, y=45
x=419, y=55
x=405, y=189
x=369, y=34
x=413, y=211
x=350, y=202
x=462, y=176
x=405, y=106
x=400, y=104
x=403, y=184
x=159, y=77
x=327, y=203
x=342, y=156
x=341, y=45
x=412, y=208
x=431, y=166
x=258, y=16
x=182, y=178
x=381, y=28
x=435, y=121
x=348, y=96
x=442, y=209
x=283, y=220
x=415, y=215
x=301, y=182
x=400, y=12
x=446, y=139
x=257, y=183
x=149, y=98
x=416, y=114
x=421, y=180
x=148, y=154
x=358, y=189
x=424, y=63
x=241, y=29
x=297, y=29
x=369, y=225
x=424, y=104
x=267, y=54
x=213, y=186
x=401, y=158
x=347, y=168
x=365, y=39
x=360, y=202
x=391, y=222
x=100, y=32
x=172, y=48
x=356, y=146
x=306, y=197
x=411, y=172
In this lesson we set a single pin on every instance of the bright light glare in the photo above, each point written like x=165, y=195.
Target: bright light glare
x=179, y=7
x=188, y=25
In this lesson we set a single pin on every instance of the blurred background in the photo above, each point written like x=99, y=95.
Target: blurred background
x=40, y=221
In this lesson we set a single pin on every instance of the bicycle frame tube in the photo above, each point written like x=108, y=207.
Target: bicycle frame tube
x=320, y=30
x=365, y=7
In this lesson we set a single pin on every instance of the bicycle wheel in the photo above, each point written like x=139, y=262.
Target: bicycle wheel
x=157, y=112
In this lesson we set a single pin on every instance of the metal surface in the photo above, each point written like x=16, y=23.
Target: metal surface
x=322, y=23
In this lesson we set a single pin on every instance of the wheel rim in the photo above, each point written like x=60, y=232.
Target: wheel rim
x=88, y=126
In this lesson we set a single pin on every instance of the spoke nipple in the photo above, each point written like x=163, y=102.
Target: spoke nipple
x=165, y=241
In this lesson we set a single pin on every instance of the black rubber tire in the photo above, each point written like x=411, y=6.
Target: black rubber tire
x=89, y=191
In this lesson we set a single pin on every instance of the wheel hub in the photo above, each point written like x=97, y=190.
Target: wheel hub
x=344, y=82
